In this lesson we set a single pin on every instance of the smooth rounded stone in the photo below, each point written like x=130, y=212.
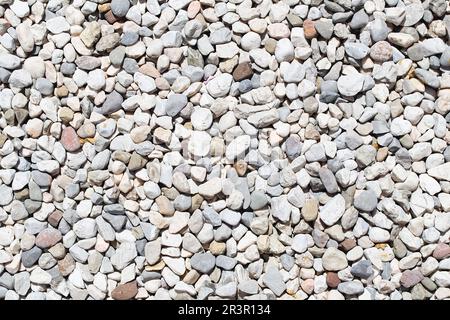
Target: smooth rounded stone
x=324, y=27
x=356, y=50
x=366, y=201
x=6, y=236
x=201, y=119
x=129, y=38
x=20, y=180
x=139, y=140
x=227, y=51
x=427, y=77
x=153, y=251
x=420, y=151
x=96, y=79
x=225, y=262
x=351, y=287
x=250, y=40
x=68, y=69
x=165, y=206
x=315, y=153
x=123, y=255
x=242, y=71
x=292, y=72
x=19, y=211
x=309, y=29
x=248, y=287
x=426, y=48
x=332, y=280
x=194, y=74
x=145, y=83
x=117, y=55
x=125, y=291
x=30, y=257
x=112, y=103
x=258, y=200
x=310, y=209
x=227, y=291
x=107, y=42
x=441, y=251
x=203, y=262
x=22, y=282
x=334, y=260
x=210, y=188
x=274, y=281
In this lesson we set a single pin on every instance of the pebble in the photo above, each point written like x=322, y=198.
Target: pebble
x=203, y=262
x=201, y=119
x=410, y=278
x=70, y=140
x=356, y=50
x=366, y=201
x=351, y=287
x=362, y=269
x=333, y=210
x=334, y=260
x=242, y=71
x=175, y=103
x=300, y=243
x=274, y=281
x=350, y=85
x=125, y=291
x=57, y=25
x=220, y=85
x=48, y=238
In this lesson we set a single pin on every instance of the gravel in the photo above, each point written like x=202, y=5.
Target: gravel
x=224, y=150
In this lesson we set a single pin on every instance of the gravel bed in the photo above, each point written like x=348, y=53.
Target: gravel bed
x=215, y=149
